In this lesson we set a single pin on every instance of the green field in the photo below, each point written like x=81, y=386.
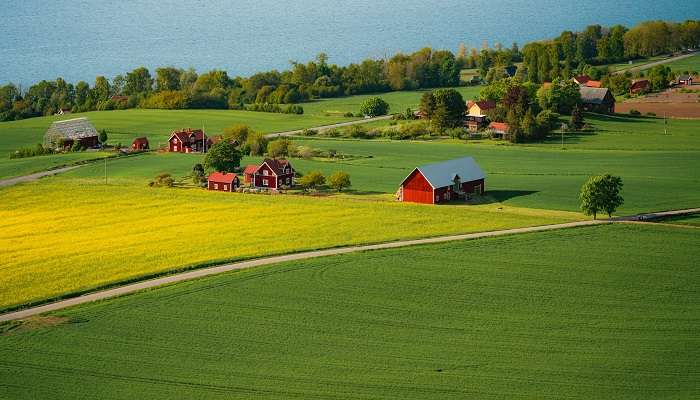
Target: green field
x=487, y=319
x=71, y=235
x=692, y=220
x=124, y=126
x=687, y=64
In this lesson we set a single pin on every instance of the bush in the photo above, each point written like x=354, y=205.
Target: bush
x=651, y=114
x=339, y=180
x=275, y=108
x=348, y=114
x=309, y=132
x=282, y=147
x=162, y=180
x=374, y=107
x=635, y=112
x=312, y=180
x=77, y=146
x=25, y=152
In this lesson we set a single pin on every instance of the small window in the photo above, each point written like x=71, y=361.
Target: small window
x=265, y=172
x=225, y=187
x=265, y=183
x=216, y=186
x=437, y=197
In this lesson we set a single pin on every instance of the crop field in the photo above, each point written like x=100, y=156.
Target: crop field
x=488, y=319
x=71, y=235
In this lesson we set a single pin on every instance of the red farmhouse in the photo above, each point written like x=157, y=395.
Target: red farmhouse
x=140, y=144
x=437, y=183
x=272, y=174
x=248, y=173
x=223, y=182
x=188, y=141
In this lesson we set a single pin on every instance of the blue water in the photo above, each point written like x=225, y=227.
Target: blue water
x=76, y=39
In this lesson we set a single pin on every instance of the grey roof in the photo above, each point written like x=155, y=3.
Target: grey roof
x=593, y=95
x=685, y=78
x=444, y=173
x=76, y=128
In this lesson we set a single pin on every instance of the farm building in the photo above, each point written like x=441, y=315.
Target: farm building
x=223, y=182
x=140, y=144
x=248, y=173
x=594, y=84
x=476, y=114
x=440, y=182
x=598, y=100
x=272, y=174
x=639, y=86
x=65, y=133
x=581, y=79
x=189, y=141
x=685, y=80
x=500, y=129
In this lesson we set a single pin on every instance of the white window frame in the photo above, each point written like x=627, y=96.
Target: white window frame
x=266, y=183
x=265, y=172
x=216, y=186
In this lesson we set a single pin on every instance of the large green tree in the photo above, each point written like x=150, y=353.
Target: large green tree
x=449, y=109
x=601, y=194
x=374, y=107
x=223, y=157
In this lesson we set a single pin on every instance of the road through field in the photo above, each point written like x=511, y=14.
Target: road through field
x=35, y=176
x=326, y=127
x=149, y=284
x=655, y=63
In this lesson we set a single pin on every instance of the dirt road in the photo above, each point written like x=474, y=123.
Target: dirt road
x=32, y=177
x=325, y=127
x=185, y=276
x=655, y=63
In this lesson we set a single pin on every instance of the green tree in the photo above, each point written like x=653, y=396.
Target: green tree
x=76, y=146
x=312, y=180
x=102, y=137
x=374, y=106
x=601, y=194
x=427, y=105
x=449, y=109
x=280, y=148
x=198, y=174
x=256, y=144
x=168, y=78
x=237, y=133
x=223, y=157
x=561, y=96
x=102, y=89
x=577, y=118
x=339, y=180
x=138, y=81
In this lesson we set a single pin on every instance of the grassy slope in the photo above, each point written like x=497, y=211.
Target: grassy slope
x=487, y=319
x=692, y=220
x=72, y=235
x=687, y=64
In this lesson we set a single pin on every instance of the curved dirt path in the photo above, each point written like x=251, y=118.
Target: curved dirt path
x=200, y=273
x=37, y=175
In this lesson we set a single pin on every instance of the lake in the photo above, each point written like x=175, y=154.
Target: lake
x=81, y=39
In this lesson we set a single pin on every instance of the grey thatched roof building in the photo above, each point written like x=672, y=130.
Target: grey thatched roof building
x=70, y=130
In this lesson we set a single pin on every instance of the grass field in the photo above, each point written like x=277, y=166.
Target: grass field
x=687, y=64
x=487, y=319
x=692, y=220
x=124, y=126
x=71, y=235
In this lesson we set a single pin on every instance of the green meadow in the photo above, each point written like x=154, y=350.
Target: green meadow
x=543, y=315
x=687, y=64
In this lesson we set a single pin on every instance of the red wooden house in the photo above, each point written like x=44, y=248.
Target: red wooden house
x=189, y=141
x=272, y=174
x=140, y=144
x=441, y=182
x=248, y=173
x=223, y=182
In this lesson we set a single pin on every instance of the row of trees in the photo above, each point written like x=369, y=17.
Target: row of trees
x=574, y=51
x=175, y=88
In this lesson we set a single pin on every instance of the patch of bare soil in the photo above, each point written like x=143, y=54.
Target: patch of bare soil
x=30, y=324
x=672, y=110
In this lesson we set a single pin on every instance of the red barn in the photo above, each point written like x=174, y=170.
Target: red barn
x=140, y=144
x=273, y=174
x=445, y=181
x=188, y=141
x=223, y=182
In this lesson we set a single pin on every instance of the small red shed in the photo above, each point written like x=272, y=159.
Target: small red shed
x=440, y=182
x=223, y=181
x=639, y=86
x=140, y=144
x=248, y=173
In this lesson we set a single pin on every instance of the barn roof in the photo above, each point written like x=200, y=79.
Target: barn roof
x=443, y=174
x=222, y=177
x=593, y=95
x=76, y=128
x=277, y=165
x=250, y=169
x=685, y=78
x=499, y=126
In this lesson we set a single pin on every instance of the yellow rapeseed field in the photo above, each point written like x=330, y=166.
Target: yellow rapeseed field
x=65, y=236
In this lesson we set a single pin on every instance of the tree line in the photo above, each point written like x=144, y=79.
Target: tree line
x=176, y=88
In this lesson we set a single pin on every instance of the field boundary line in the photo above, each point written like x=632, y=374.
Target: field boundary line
x=257, y=262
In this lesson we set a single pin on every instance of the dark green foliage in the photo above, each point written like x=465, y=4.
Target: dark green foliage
x=601, y=194
x=449, y=108
x=198, y=176
x=26, y=152
x=576, y=120
x=223, y=157
x=103, y=137
x=374, y=107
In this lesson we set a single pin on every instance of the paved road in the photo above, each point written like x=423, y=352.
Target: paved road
x=325, y=127
x=655, y=63
x=27, y=178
